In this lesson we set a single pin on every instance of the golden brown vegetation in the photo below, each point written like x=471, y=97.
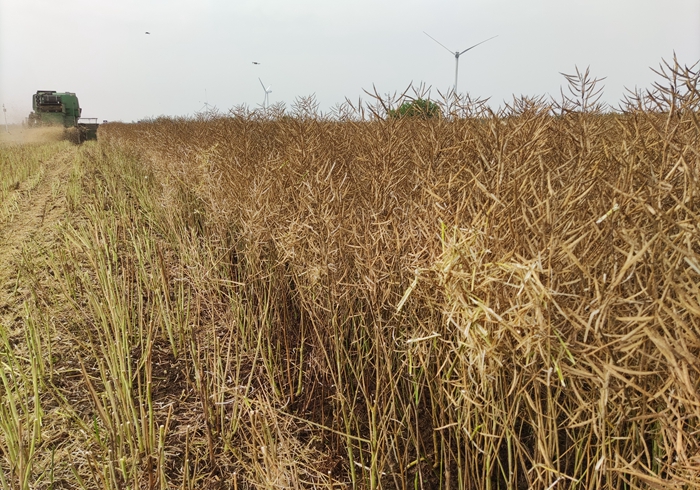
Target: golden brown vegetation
x=503, y=301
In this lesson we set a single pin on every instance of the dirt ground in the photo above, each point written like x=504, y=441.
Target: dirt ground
x=31, y=226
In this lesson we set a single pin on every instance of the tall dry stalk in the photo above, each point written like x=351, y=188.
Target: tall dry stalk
x=504, y=301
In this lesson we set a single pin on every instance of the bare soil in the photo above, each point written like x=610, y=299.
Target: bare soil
x=33, y=224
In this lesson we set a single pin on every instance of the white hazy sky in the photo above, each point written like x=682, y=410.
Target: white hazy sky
x=202, y=51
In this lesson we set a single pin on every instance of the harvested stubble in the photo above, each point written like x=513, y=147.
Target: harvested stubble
x=510, y=301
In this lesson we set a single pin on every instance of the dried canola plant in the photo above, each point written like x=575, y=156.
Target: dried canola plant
x=507, y=300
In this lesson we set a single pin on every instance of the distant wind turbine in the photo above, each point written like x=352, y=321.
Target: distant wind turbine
x=457, y=54
x=267, y=93
x=206, y=107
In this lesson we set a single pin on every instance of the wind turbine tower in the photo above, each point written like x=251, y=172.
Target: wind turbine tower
x=268, y=91
x=457, y=54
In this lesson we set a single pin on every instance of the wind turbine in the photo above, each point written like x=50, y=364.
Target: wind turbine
x=267, y=93
x=206, y=105
x=457, y=54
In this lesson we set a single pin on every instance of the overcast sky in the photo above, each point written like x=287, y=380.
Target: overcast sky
x=202, y=51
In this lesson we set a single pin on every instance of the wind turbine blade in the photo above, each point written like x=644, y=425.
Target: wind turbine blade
x=263, y=85
x=431, y=37
x=472, y=47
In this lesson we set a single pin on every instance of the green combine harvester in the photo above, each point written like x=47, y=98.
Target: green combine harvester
x=51, y=108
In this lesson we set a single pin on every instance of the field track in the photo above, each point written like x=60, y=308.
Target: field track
x=38, y=211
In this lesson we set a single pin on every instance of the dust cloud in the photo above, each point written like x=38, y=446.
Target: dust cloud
x=22, y=135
